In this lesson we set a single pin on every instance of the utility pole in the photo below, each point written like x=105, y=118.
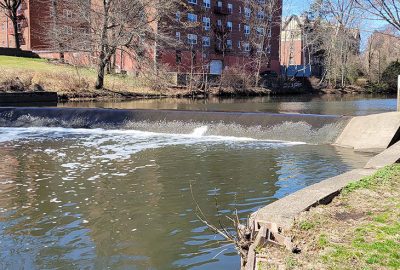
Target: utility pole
x=398, y=93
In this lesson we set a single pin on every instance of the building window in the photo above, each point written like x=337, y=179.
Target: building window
x=230, y=8
x=268, y=49
x=246, y=47
x=178, y=36
x=247, y=30
x=260, y=15
x=206, y=41
x=229, y=26
x=219, y=4
x=178, y=57
x=192, y=39
x=219, y=23
x=192, y=2
x=67, y=13
x=239, y=44
x=247, y=12
x=269, y=32
x=229, y=44
x=194, y=57
x=178, y=16
x=206, y=3
x=206, y=23
x=260, y=31
x=192, y=17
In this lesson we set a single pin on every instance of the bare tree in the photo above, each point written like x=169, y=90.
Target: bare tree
x=387, y=10
x=261, y=17
x=103, y=27
x=337, y=33
x=382, y=49
x=10, y=9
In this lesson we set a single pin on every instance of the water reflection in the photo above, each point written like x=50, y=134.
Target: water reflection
x=305, y=104
x=67, y=206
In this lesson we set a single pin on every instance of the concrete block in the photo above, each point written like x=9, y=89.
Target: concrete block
x=284, y=211
x=371, y=133
x=387, y=157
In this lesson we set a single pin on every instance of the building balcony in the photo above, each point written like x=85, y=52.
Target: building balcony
x=220, y=50
x=222, y=11
x=219, y=29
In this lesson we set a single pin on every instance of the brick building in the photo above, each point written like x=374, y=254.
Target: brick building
x=295, y=56
x=33, y=16
x=219, y=39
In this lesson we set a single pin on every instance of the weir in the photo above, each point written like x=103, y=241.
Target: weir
x=318, y=129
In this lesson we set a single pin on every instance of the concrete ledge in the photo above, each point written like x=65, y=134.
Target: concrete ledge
x=284, y=211
x=28, y=97
x=371, y=133
x=387, y=157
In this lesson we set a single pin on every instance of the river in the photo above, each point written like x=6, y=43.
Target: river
x=76, y=198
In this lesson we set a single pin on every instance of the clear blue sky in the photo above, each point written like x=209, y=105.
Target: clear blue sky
x=295, y=7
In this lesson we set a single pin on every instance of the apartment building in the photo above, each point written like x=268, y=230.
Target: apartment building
x=220, y=36
x=223, y=37
x=32, y=18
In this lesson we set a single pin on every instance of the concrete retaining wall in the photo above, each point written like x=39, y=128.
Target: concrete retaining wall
x=28, y=97
x=18, y=53
x=372, y=133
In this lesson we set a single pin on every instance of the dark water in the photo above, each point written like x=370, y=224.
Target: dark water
x=120, y=199
x=304, y=104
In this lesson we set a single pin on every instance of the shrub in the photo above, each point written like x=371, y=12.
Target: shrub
x=390, y=74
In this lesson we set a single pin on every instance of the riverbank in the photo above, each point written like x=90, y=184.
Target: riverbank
x=358, y=230
x=76, y=83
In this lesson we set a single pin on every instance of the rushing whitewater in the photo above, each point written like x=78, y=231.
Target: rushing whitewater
x=314, y=129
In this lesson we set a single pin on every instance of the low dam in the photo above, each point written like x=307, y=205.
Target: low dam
x=288, y=127
x=102, y=188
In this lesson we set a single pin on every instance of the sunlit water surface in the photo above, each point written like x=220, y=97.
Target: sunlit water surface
x=304, y=104
x=121, y=199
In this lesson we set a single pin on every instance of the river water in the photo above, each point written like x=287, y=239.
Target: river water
x=303, y=104
x=125, y=198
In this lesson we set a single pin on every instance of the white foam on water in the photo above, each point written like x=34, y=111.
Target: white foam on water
x=200, y=131
x=122, y=144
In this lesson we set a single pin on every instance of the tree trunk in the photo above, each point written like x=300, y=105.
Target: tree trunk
x=100, y=71
x=16, y=34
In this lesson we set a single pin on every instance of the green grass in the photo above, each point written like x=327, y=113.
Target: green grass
x=40, y=65
x=306, y=225
x=63, y=77
x=382, y=176
x=374, y=244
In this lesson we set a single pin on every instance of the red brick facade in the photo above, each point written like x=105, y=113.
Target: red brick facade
x=228, y=16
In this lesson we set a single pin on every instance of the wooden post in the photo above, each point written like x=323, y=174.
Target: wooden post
x=398, y=93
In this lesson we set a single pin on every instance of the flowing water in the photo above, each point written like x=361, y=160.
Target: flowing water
x=76, y=198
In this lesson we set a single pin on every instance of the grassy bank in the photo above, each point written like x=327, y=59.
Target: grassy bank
x=360, y=229
x=68, y=81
